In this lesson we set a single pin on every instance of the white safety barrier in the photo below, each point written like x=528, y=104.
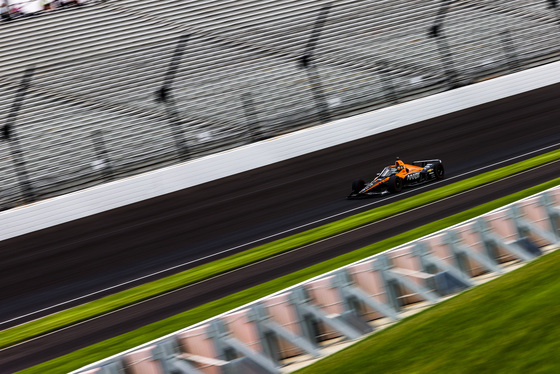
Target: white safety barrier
x=61, y=209
x=295, y=324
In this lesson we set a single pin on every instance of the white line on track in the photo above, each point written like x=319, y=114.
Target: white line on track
x=376, y=202
x=268, y=259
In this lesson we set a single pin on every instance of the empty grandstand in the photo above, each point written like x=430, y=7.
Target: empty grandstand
x=114, y=88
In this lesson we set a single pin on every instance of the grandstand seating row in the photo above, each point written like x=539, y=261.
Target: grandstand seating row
x=91, y=114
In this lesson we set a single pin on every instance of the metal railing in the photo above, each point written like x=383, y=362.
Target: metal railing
x=301, y=322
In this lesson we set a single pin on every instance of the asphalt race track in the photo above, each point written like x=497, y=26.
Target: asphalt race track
x=71, y=260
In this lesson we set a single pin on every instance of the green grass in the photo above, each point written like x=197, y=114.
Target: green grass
x=509, y=325
x=119, y=300
x=118, y=344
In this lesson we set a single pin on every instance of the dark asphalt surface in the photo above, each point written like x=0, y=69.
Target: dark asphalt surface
x=70, y=260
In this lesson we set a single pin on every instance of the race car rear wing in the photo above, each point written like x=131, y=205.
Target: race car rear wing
x=423, y=163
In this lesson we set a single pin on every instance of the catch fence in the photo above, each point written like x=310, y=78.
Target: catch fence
x=162, y=88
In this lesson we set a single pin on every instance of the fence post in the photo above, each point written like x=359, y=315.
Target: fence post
x=9, y=134
x=306, y=62
x=102, y=155
x=387, y=82
x=165, y=95
x=436, y=32
x=553, y=4
x=253, y=126
x=509, y=51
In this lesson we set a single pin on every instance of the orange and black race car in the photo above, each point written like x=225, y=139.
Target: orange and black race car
x=394, y=177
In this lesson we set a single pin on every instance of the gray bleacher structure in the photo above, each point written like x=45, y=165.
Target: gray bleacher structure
x=115, y=88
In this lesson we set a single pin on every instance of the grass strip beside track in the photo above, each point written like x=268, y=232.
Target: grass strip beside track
x=82, y=357
x=122, y=299
x=509, y=325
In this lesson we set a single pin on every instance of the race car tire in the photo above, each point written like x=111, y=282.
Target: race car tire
x=358, y=185
x=395, y=184
x=439, y=172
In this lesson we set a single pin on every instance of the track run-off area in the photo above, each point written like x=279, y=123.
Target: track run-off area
x=69, y=264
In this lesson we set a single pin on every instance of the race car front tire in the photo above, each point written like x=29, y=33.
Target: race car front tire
x=358, y=185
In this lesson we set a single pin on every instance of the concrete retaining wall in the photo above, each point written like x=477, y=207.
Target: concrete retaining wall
x=295, y=326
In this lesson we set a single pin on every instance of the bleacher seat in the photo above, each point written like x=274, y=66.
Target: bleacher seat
x=97, y=68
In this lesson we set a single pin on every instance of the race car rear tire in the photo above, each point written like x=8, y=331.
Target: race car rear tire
x=358, y=185
x=395, y=184
x=439, y=172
